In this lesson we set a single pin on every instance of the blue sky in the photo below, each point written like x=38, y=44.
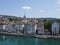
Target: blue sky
x=31, y=8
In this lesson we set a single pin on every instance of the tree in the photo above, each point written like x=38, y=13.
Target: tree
x=47, y=24
x=10, y=19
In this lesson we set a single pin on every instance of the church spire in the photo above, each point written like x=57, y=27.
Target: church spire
x=24, y=16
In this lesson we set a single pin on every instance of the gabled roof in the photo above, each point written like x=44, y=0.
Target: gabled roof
x=3, y=23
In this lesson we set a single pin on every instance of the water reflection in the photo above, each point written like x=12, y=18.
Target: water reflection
x=3, y=37
x=17, y=40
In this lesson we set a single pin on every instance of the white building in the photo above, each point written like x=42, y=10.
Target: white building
x=19, y=27
x=2, y=25
x=10, y=27
x=55, y=28
x=40, y=28
x=30, y=28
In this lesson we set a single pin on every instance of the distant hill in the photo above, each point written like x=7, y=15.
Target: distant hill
x=48, y=19
x=7, y=16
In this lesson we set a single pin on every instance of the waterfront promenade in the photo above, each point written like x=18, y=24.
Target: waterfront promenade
x=46, y=36
x=36, y=36
x=11, y=33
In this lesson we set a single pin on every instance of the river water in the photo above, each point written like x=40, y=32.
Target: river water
x=19, y=40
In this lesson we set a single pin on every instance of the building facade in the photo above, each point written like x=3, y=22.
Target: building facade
x=19, y=27
x=40, y=28
x=10, y=27
x=55, y=28
x=30, y=29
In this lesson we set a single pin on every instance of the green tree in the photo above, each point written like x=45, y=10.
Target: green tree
x=10, y=19
x=13, y=19
x=47, y=24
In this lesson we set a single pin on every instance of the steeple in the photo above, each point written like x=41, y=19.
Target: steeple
x=24, y=17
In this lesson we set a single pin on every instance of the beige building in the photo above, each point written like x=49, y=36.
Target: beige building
x=40, y=28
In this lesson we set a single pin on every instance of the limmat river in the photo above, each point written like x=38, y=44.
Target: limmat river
x=18, y=40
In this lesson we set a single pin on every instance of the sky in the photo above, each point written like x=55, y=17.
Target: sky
x=31, y=8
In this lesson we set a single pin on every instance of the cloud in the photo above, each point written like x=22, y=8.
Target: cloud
x=26, y=7
x=58, y=1
x=41, y=11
